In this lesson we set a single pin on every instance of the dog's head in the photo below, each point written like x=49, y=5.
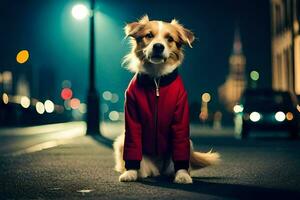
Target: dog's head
x=156, y=46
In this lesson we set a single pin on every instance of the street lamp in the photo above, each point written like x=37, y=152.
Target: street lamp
x=79, y=12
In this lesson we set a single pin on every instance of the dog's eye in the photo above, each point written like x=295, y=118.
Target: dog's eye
x=149, y=35
x=170, y=39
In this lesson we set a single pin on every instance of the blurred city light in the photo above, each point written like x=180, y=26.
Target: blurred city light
x=5, y=98
x=238, y=108
x=75, y=103
x=25, y=102
x=59, y=108
x=82, y=108
x=22, y=56
x=280, y=116
x=255, y=116
x=114, y=98
x=206, y=97
x=76, y=114
x=39, y=106
x=66, y=84
x=114, y=116
x=80, y=11
x=67, y=104
x=289, y=116
x=254, y=75
x=104, y=107
x=66, y=93
x=49, y=106
x=6, y=76
x=107, y=95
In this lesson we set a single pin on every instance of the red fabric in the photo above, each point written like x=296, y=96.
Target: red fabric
x=172, y=135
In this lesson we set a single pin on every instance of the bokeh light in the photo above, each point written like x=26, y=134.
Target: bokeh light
x=113, y=116
x=5, y=98
x=289, y=116
x=238, y=108
x=75, y=103
x=39, y=106
x=22, y=56
x=107, y=95
x=254, y=75
x=49, y=106
x=82, y=108
x=206, y=97
x=66, y=93
x=67, y=104
x=25, y=102
x=104, y=108
x=66, y=84
x=114, y=98
x=255, y=116
x=280, y=116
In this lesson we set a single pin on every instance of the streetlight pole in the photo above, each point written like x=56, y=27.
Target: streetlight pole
x=93, y=116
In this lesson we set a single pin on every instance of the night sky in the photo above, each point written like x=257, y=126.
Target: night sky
x=59, y=44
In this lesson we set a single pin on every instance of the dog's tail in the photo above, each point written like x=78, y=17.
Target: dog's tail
x=199, y=160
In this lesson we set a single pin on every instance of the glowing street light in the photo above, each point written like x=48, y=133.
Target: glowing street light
x=93, y=112
x=80, y=11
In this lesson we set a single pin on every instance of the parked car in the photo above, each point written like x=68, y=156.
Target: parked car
x=265, y=109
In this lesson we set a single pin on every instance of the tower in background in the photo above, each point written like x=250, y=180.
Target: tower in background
x=231, y=90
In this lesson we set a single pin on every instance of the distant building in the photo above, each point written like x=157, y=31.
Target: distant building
x=285, y=15
x=16, y=80
x=230, y=92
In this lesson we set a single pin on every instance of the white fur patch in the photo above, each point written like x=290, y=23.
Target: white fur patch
x=128, y=176
x=160, y=26
x=182, y=176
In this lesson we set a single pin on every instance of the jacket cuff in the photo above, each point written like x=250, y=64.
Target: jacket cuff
x=132, y=164
x=182, y=164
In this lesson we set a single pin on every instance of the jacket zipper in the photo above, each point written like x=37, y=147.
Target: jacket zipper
x=156, y=82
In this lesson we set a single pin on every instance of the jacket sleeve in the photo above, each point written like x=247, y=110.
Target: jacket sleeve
x=133, y=143
x=180, y=131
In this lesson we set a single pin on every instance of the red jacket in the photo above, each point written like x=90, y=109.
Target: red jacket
x=156, y=118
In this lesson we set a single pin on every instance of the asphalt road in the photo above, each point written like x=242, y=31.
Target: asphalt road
x=82, y=167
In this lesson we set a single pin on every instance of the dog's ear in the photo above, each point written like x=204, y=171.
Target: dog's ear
x=186, y=36
x=132, y=28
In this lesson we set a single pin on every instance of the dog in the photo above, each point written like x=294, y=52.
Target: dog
x=156, y=140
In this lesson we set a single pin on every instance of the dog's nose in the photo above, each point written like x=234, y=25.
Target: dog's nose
x=158, y=48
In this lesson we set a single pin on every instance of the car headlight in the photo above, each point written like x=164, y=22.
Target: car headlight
x=255, y=116
x=280, y=116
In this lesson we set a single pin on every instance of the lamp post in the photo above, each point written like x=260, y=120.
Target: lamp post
x=92, y=118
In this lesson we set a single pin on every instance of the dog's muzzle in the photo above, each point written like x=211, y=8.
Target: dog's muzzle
x=157, y=56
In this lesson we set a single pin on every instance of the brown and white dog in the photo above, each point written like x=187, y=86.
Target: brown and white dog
x=157, y=51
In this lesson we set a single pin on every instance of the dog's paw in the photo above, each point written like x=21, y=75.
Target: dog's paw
x=128, y=176
x=182, y=176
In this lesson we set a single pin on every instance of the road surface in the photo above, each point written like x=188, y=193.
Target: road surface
x=259, y=168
